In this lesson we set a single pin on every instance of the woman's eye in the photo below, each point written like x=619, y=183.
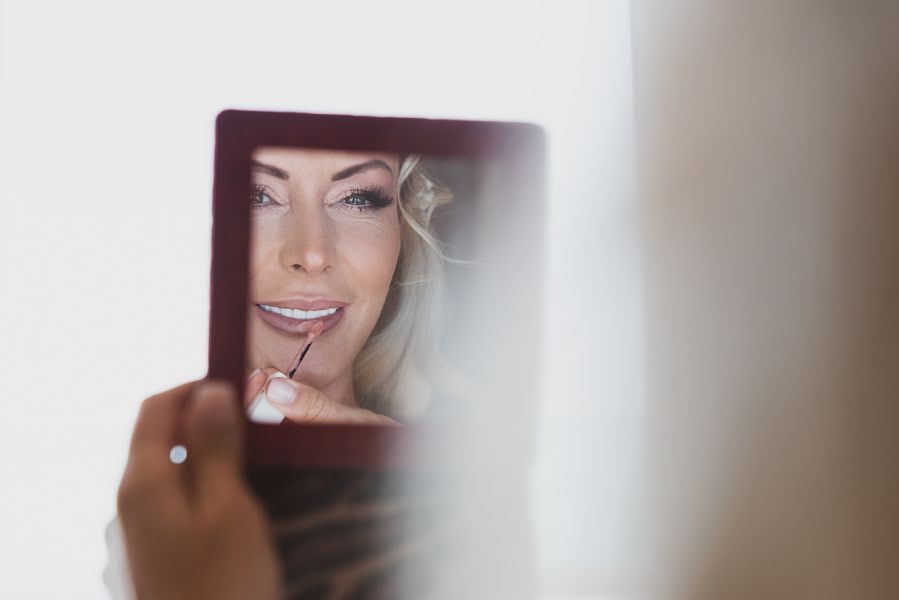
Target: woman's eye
x=356, y=201
x=367, y=199
x=260, y=197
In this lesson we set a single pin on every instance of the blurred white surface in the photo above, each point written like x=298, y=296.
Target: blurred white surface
x=107, y=114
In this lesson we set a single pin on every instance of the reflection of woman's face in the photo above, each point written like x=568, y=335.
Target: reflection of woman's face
x=326, y=239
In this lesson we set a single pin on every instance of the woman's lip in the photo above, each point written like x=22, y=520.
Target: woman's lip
x=305, y=303
x=296, y=326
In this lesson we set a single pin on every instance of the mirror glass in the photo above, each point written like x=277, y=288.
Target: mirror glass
x=372, y=277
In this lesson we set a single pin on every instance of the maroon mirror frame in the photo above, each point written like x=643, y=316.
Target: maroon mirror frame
x=237, y=134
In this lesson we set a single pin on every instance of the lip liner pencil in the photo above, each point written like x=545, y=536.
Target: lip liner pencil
x=313, y=333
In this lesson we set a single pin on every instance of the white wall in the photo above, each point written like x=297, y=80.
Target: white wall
x=106, y=132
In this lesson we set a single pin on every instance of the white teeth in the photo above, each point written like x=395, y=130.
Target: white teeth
x=296, y=313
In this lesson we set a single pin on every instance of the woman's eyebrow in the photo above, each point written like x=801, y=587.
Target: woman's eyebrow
x=350, y=171
x=271, y=170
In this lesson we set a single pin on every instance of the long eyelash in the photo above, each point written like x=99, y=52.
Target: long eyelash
x=376, y=198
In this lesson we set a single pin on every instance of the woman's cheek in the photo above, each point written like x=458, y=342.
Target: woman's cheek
x=372, y=253
x=264, y=271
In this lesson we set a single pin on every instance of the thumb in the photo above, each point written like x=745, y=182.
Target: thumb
x=301, y=403
x=214, y=438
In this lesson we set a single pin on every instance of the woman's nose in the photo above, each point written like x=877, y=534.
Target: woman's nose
x=309, y=245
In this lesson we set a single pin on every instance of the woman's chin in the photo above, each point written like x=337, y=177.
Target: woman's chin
x=319, y=379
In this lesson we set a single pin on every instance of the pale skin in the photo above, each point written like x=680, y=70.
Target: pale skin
x=326, y=233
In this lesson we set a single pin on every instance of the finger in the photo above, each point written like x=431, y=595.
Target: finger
x=254, y=385
x=259, y=409
x=213, y=427
x=150, y=474
x=302, y=403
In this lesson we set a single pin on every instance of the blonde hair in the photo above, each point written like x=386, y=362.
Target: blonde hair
x=390, y=374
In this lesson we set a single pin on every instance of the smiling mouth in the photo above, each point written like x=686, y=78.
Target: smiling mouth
x=296, y=313
x=296, y=321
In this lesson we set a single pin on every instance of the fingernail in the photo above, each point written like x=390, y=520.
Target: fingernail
x=255, y=372
x=281, y=391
